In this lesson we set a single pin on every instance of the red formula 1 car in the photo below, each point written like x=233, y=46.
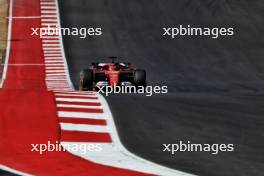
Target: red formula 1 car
x=111, y=74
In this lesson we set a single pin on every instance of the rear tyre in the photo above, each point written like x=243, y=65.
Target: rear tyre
x=140, y=78
x=86, y=80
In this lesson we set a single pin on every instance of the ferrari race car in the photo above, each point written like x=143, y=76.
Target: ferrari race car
x=111, y=74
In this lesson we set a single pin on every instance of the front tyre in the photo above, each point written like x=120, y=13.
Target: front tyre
x=140, y=77
x=86, y=80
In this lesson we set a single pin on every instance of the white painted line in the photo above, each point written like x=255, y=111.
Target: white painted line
x=55, y=68
x=49, y=24
x=48, y=12
x=49, y=75
x=55, y=89
x=53, y=61
x=47, y=7
x=56, y=86
x=46, y=20
x=51, y=48
x=77, y=106
x=59, y=83
x=85, y=128
x=57, y=63
x=51, y=64
x=51, y=51
x=56, y=82
x=48, y=16
x=46, y=45
x=47, y=2
x=57, y=79
x=51, y=45
x=8, y=43
x=46, y=52
x=60, y=88
x=63, y=84
x=77, y=92
x=53, y=4
x=48, y=79
x=63, y=78
x=55, y=71
x=50, y=41
x=77, y=100
x=55, y=74
x=53, y=58
x=52, y=55
x=50, y=37
x=54, y=65
x=75, y=95
x=81, y=115
x=48, y=48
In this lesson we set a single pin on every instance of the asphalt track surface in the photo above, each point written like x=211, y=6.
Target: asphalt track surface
x=4, y=173
x=215, y=85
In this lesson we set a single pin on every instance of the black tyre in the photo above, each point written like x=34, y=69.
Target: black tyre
x=140, y=78
x=86, y=80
